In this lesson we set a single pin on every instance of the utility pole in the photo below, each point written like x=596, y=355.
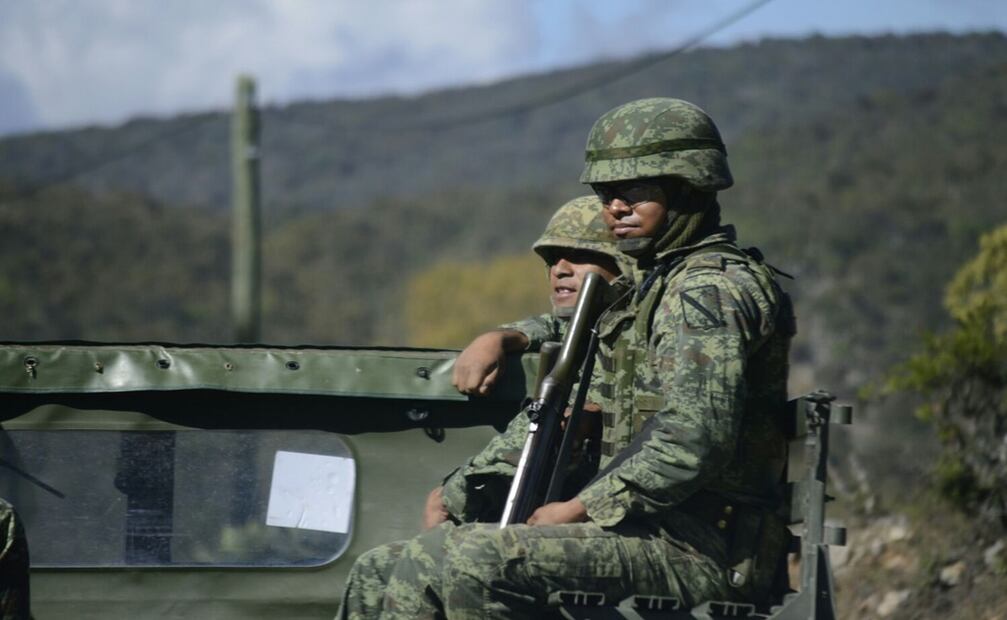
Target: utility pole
x=246, y=261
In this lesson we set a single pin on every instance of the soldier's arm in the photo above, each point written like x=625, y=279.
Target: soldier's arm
x=703, y=332
x=474, y=490
x=479, y=365
x=536, y=329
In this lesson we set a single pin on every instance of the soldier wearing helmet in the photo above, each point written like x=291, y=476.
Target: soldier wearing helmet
x=576, y=241
x=393, y=580
x=691, y=377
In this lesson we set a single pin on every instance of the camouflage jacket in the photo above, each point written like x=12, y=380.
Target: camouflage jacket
x=476, y=490
x=538, y=329
x=692, y=374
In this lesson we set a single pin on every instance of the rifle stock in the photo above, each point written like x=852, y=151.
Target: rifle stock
x=545, y=412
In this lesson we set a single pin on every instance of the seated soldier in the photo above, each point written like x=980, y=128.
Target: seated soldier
x=691, y=377
x=575, y=242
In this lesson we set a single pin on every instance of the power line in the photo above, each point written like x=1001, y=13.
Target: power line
x=611, y=76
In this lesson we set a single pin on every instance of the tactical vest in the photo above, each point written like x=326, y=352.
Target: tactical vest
x=629, y=392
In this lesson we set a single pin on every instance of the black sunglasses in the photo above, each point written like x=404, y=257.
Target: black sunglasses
x=632, y=193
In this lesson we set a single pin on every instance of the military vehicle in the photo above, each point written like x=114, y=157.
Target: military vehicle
x=166, y=481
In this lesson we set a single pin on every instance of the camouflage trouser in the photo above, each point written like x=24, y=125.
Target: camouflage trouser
x=14, y=603
x=480, y=571
x=391, y=581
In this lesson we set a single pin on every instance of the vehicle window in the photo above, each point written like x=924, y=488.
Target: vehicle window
x=179, y=498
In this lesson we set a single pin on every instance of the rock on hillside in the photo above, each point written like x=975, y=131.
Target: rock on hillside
x=925, y=563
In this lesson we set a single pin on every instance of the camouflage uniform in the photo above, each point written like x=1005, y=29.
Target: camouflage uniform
x=693, y=374
x=577, y=225
x=403, y=579
x=692, y=377
x=14, y=599
x=691, y=455
x=475, y=492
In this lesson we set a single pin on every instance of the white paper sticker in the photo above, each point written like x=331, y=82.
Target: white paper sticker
x=311, y=492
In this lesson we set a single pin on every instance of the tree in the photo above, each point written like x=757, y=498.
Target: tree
x=962, y=375
x=450, y=303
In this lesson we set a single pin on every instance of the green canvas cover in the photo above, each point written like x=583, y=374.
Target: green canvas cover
x=388, y=406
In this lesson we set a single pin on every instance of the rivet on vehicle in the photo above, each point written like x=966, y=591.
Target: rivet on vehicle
x=164, y=364
x=99, y=367
x=293, y=365
x=228, y=366
x=31, y=365
x=423, y=372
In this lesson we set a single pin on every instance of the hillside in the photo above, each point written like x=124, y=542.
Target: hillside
x=826, y=155
x=837, y=181
x=867, y=168
x=348, y=153
x=113, y=267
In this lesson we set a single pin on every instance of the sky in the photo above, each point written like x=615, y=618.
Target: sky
x=66, y=63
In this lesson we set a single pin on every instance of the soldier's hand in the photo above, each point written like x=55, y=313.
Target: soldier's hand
x=479, y=366
x=434, y=513
x=556, y=513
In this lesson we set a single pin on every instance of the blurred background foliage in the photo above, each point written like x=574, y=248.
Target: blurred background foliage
x=980, y=286
x=484, y=294
x=962, y=376
x=868, y=167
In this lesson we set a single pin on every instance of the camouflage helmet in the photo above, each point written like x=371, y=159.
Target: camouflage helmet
x=578, y=225
x=654, y=138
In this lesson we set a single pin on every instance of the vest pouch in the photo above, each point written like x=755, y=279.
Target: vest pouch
x=618, y=416
x=644, y=407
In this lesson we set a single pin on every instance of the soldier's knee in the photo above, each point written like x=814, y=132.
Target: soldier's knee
x=475, y=554
x=376, y=562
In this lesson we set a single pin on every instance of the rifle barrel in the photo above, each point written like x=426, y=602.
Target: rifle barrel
x=545, y=412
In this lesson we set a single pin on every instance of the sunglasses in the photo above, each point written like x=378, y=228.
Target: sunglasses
x=632, y=193
x=552, y=255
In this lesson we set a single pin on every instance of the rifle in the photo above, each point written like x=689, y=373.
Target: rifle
x=545, y=453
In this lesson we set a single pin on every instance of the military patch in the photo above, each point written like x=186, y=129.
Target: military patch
x=701, y=307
